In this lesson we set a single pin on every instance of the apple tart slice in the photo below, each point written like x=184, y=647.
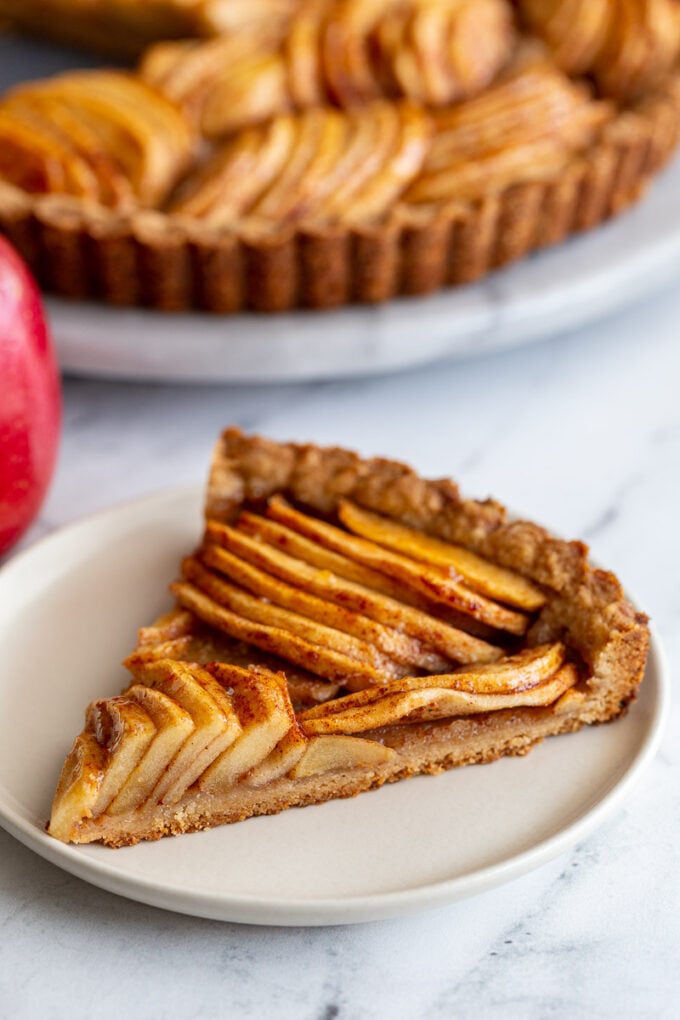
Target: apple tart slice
x=343, y=624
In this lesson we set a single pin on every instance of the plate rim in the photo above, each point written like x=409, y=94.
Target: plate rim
x=283, y=912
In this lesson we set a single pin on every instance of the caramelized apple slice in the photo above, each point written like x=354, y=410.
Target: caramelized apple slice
x=78, y=787
x=174, y=726
x=263, y=611
x=514, y=674
x=322, y=661
x=480, y=574
x=390, y=642
x=296, y=545
x=340, y=753
x=264, y=710
x=431, y=582
x=281, y=760
x=122, y=727
x=455, y=644
x=431, y=702
x=216, y=726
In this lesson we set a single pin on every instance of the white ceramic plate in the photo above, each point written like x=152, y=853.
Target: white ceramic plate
x=70, y=608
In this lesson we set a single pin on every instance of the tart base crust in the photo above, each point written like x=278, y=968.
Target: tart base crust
x=169, y=263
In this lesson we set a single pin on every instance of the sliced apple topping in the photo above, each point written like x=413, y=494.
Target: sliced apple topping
x=342, y=52
x=432, y=583
x=215, y=724
x=480, y=574
x=122, y=727
x=527, y=127
x=101, y=135
x=326, y=662
x=281, y=760
x=322, y=165
x=454, y=644
x=173, y=725
x=78, y=788
x=262, y=705
x=626, y=45
x=537, y=677
x=340, y=753
x=391, y=643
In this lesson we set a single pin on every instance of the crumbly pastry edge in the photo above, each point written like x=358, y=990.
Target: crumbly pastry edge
x=151, y=259
x=585, y=604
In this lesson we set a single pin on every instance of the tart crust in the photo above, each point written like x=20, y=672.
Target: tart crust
x=583, y=610
x=86, y=251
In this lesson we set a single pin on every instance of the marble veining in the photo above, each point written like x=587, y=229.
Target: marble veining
x=582, y=433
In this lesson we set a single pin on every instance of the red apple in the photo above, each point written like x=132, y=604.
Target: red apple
x=30, y=400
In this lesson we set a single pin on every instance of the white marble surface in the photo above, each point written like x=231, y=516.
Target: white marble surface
x=582, y=433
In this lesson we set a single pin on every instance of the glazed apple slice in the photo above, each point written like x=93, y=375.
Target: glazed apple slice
x=339, y=753
x=265, y=713
x=483, y=576
x=391, y=642
x=262, y=610
x=430, y=582
x=215, y=723
x=425, y=704
x=455, y=644
x=174, y=726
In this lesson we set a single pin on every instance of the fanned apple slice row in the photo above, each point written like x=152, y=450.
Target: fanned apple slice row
x=78, y=788
x=432, y=582
x=432, y=703
x=333, y=753
x=265, y=713
x=263, y=611
x=294, y=544
x=454, y=644
x=123, y=727
x=174, y=726
x=238, y=174
x=397, y=646
x=324, y=662
x=480, y=574
x=511, y=675
x=281, y=760
x=216, y=725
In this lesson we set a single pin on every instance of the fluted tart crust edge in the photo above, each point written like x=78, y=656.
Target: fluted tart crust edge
x=169, y=263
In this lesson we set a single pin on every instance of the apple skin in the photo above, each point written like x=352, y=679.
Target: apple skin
x=30, y=399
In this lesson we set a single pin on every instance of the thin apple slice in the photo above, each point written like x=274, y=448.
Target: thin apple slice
x=480, y=574
x=265, y=712
x=122, y=727
x=324, y=662
x=340, y=753
x=174, y=726
x=214, y=728
x=456, y=645
x=281, y=760
x=514, y=674
x=431, y=582
x=388, y=641
x=78, y=787
x=432, y=703
x=316, y=555
x=261, y=610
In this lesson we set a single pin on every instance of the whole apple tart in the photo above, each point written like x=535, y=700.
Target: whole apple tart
x=312, y=153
